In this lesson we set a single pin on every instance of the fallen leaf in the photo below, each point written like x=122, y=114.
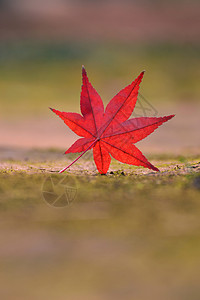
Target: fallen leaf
x=110, y=132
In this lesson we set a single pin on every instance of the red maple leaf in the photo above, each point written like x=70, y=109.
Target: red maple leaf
x=110, y=132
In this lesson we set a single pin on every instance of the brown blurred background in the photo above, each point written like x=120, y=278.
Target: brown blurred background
x=122, y=21
x=44, y=43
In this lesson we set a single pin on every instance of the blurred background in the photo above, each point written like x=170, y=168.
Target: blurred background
x=43, y=44
x=143, y=242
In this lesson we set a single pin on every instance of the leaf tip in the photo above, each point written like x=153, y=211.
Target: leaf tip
x=83, y=69
x=154, y=168
x=141, y=75
x=170, y=117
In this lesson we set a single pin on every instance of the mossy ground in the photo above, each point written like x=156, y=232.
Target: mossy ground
x=132, y=234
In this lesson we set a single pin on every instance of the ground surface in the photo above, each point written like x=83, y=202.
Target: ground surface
x=133, y=234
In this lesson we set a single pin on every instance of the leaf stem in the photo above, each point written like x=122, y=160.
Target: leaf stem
x=78, y=157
